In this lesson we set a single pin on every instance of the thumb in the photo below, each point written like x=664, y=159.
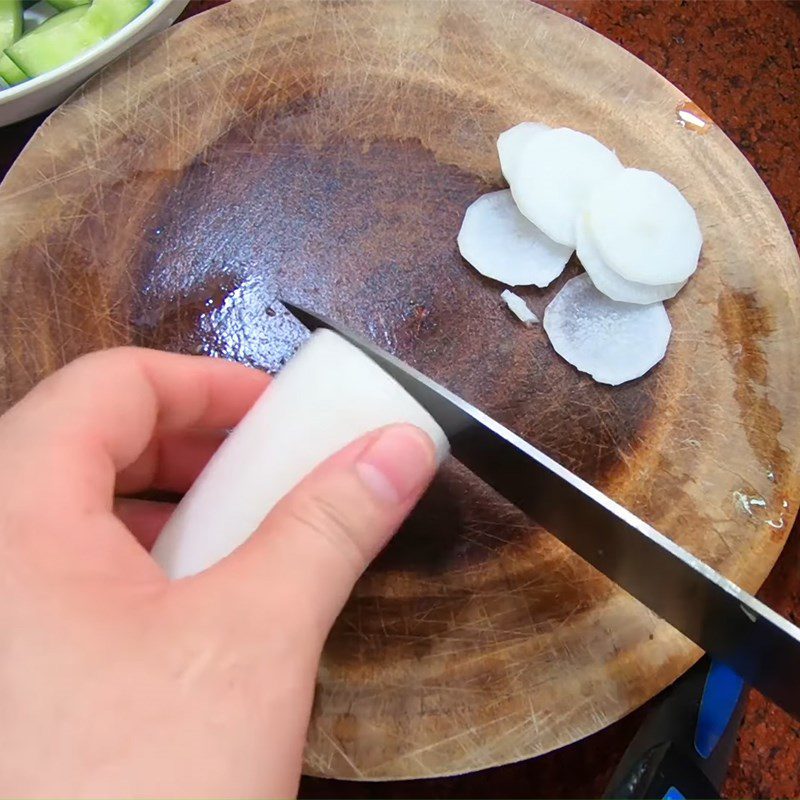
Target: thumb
x=305, y=557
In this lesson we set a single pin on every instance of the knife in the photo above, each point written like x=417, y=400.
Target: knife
x=728, y=623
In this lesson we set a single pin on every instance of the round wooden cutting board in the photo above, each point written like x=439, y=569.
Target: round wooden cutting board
x=325, y=152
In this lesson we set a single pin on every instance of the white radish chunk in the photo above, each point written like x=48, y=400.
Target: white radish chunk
x=501, y=244
x=554, y=176
x=645, y=228
x=613, y=342
x=328, y=395
x=511, y=142
x=609, y=282
x=519, y=308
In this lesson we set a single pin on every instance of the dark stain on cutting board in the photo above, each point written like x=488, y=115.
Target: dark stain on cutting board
x=366, y=235
x=746, y=325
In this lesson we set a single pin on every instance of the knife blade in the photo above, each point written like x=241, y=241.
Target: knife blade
x=728, y=623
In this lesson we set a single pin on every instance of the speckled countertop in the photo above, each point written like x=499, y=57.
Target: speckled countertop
x=740, y=62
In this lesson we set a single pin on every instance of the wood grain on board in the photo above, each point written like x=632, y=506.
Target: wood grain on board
x=325, y=152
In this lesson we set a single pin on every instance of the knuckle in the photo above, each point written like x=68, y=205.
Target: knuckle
x=115, y=367
x=114, y=362
x=332, y=524
x=115, y=358
x=113, y=355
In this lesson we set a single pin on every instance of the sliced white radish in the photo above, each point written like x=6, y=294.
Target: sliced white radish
x=644, y=228
x=511, y=142
x=554, y=175
x=613, y=342
x=328, y=395
x=519, y=308
x=609, y=282
x=501, y=244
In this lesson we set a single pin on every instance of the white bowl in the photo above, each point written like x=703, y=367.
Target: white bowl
x=48, y=90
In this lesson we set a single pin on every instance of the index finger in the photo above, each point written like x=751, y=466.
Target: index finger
x=94, y=417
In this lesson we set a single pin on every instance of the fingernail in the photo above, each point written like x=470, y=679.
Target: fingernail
x=398, y=463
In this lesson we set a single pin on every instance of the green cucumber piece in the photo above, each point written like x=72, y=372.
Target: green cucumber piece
x=108, y=16
x=65, y=5
x=41, y=49
x=68, y=34
x=10, y=72
x=10, y=22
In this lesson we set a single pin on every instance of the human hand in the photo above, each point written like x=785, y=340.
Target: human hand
x=115, y=681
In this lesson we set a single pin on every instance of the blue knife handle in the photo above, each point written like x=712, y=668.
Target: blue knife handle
x=721, y=696
x=683, y=748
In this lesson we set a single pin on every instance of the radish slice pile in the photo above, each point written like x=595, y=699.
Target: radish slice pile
x=510, y=144
x=501, y=244
x=613, y=342
x=644, y=228
x=636, y=236
x=609, y=282
x=554, y=175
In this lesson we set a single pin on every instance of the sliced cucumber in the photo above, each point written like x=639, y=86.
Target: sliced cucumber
x=10, y=22
x=10, y=73
x=49, y=45
x=10, y=31
x=65, y=36
x=65, y=5
x=36, y=14
x=55, y=21
x=108, y=16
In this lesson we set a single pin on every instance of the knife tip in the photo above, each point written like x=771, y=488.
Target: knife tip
x=303, y=315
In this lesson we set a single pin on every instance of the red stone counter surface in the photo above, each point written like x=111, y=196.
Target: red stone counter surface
x=740, y=62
